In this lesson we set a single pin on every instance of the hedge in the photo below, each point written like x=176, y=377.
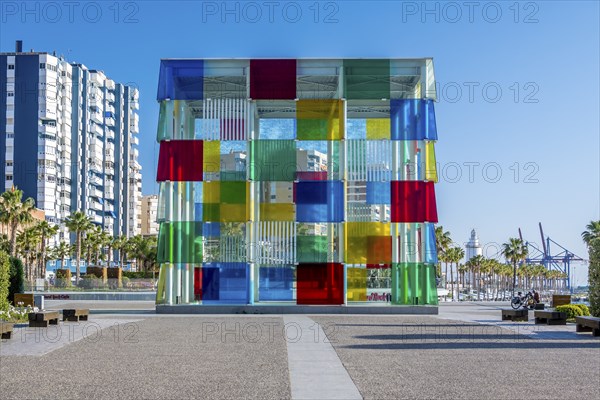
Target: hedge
x=572, y=310
x=17, y=284
x=4, y=280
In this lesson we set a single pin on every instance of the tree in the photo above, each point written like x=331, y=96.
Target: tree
x=4, y=280
x=592, y=232
x=46, y=231
x=514, y=251
x=15, y=212
x=16, y=278
x=591, y=237
x=442, y=244
x=79, y=223
x=61, y=252
x=454, y=254
x=27, y=244
x=475, y=264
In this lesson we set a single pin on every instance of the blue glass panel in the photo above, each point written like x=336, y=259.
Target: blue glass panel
x=276, y=283
x=198, y=211
x=378, y=193
x=319, y=201
x=225, y=283
x=430, y=256
x=211, y=229
x=413, y=119
x=181, y=80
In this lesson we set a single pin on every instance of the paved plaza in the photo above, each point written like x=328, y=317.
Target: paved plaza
x=466, y=352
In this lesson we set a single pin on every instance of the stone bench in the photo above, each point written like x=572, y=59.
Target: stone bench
x=6, y=329
x=550, y=317
x=508, y=314
x=43, y=318
x=72, y=314
x=587, y=324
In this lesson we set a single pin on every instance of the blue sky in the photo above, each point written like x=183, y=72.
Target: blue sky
x=518, y=85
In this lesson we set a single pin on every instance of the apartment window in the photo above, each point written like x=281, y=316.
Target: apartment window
x=9, y=177
x=10, y=135
x=11, y=66
x=42, y=65
x=10, y=94
x=9, y=163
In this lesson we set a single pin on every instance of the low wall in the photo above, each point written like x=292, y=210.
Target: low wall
x=131, y=296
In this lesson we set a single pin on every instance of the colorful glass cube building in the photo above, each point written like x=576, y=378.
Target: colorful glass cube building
x=306, y=181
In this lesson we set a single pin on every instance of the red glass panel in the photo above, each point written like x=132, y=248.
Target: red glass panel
x=180, y=160
x=311, y=176
x=321, y=283
x=198, y=284
x=413, y=201
x=273, y=79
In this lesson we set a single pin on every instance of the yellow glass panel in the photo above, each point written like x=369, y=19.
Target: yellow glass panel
x=234, y=213
x=356, y=284
x=378, y=128
x=277, y=212
x=211, y=192
x=357, y=239
x=319, y=120
x=430, y=162
x=211, y=156
x=364, y=229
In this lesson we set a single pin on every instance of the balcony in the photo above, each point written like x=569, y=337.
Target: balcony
x=94, y=191
x=110, y=84
x=135, y=141
x=109, y=121
x=110, y=134
x=109, y=108
x=96, y=116
x=47, y=129
x=95, y=166
x=97, y=129
x=109, y=193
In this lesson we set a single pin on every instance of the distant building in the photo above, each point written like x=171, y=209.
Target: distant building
x=68, y=140
x=149, y=214
x=473, y=248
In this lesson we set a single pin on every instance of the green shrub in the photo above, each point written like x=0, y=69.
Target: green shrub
x=16, y=278
x=125, y=281
x=138, y=274
x=91, y=282
x=572, y=310
x=584, y=309
x=4, y=280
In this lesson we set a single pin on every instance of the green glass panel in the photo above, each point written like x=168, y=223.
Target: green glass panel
x=311, y=249
x=413, y=284
x=367, y=79
x=312, y=129
x=272, y=160
x=232, y=175
x=211, y=212
x=180, y=242
x=165, y=112
x=233, y=192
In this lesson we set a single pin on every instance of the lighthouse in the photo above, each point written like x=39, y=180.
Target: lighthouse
x=473, y=248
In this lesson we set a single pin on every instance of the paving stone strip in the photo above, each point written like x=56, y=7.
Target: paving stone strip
x=316, y=371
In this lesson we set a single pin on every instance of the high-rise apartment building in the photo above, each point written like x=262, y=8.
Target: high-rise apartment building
x=149, y=214
x=68, y=140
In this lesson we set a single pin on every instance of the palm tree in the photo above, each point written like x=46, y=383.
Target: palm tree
x=442, y=244
x=26, y=244
x=475, y=264
x=592, y=232
x=454, y=254
x=514, y=251
x=61, y=252
x=120, y=244
x=15, y=212
x=45, y=231
x=79, y=223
